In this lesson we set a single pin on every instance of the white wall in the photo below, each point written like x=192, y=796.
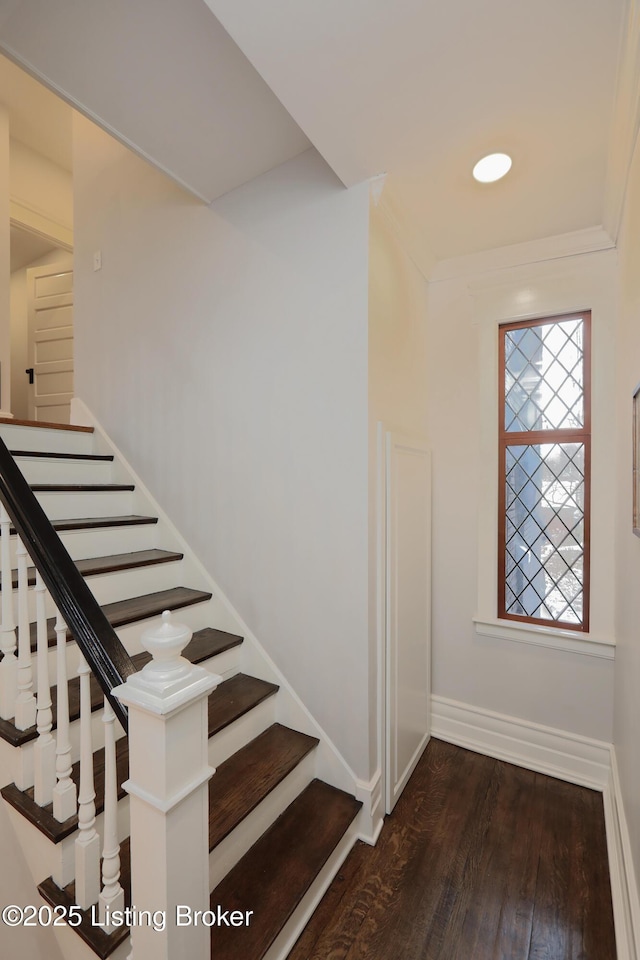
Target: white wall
x=5, y=336
x=627, y=678
x=569, y=690
x=225, y=350
x=397, y=377
x=20, y=328
x=17, y=887
x=41, y=186
x=38, y=194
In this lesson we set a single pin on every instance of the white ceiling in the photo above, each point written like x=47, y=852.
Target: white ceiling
x=415, y=88
x=423, y=89
x=27, y=247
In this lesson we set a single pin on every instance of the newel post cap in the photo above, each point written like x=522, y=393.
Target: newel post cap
x=168, y=681
x=165, y=644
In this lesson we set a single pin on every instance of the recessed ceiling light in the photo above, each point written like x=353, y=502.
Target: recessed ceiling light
x=491, y=168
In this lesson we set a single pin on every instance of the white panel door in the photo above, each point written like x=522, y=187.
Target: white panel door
x=408, y=606
x=50, y=311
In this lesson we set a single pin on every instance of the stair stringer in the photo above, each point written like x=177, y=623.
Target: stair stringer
x=331, y=766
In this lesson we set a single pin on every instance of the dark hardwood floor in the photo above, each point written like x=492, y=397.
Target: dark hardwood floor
x=480, y=860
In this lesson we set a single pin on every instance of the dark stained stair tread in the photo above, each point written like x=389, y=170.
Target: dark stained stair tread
x=111, y=564
x=235, y=697
x=61, y=456
x=122, y=612
x=273, y=877
x=204, y=644
x=288, y=864
x=92, y=523
x=102, y=943
x=81, y=487
x=43, y=818
x=246, y=778
x=46, y=425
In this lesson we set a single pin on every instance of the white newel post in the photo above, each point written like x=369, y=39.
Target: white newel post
x=169, y=794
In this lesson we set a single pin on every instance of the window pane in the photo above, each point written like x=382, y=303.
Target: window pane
x=544, y=556
x=544, y=376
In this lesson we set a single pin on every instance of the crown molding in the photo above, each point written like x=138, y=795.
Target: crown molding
x=590, y=240
x=626, y=120
x=32, y=218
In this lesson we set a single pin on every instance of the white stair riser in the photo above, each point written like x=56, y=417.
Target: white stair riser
x=48, y=470
x=103, y=541
x=136, y=582
x=97, y=733
x=8, y=763
x=239, y=733
x=46, y=441
x=97, y=736
x=227, y=853
x=120, y=585
x=43, y=856
x=225, y=664
x=68, y=506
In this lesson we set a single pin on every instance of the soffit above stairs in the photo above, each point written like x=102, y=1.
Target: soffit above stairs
x=164, y=77
x=421, y=90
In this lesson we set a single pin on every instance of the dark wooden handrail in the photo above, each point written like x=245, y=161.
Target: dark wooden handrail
x=98, y=641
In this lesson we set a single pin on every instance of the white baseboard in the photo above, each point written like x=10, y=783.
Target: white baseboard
x=568, y=756
x=371, y=817
x=624, y=889
x=557, y=753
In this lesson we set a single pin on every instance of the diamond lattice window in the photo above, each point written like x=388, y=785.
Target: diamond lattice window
x=543, y=572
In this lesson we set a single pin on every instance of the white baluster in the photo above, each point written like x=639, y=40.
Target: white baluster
x=26, y=702
x=112, y=896
x=64, y=792
x=9, y=663
x=87, y=841
x=44, y=751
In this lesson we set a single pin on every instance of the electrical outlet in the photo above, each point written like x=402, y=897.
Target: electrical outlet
x=97, y=260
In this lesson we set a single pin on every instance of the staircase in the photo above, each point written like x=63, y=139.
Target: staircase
x=277, y=832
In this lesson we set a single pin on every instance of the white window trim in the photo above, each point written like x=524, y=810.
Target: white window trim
x=568, y=640
x=542, y=290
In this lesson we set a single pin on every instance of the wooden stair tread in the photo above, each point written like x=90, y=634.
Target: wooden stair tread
x=45, y=425
x=122, y=612
x=235, y=697
x=110, y=564
x=42, y=817
x=249, y=775
x=204, y=644
x=272, y=878
x=81, y=487
x=103, y=944
x=325, y=813
x=91, y=523
x=61, y=456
